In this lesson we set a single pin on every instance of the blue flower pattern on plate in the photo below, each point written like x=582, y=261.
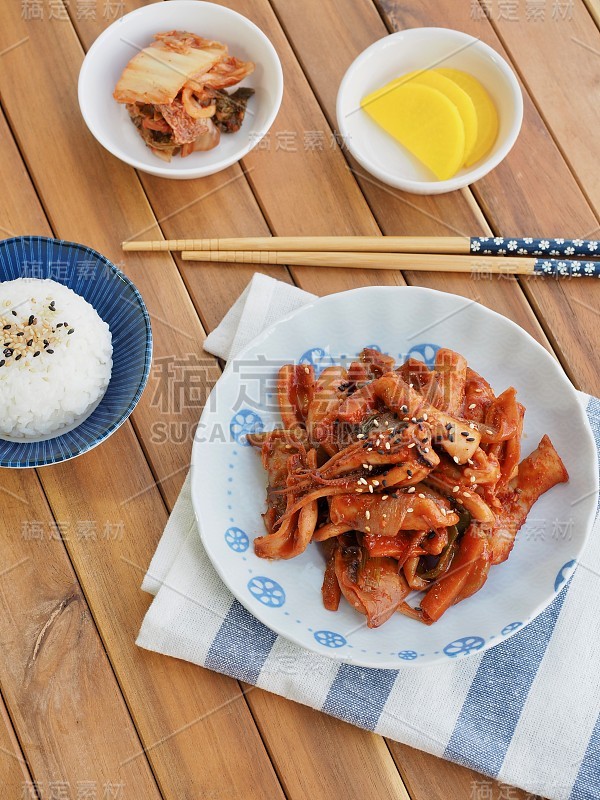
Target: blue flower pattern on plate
x=244, y=422
x=267, y=591
x=318, y=358
x=237, y=540
x=562, y=574
x=424, y=352
x=463, y=646
x=330, y=639
x=407, y=655
x=512, y=626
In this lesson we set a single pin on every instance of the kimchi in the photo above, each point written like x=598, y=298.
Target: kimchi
x=174, y=91
x=410, y=478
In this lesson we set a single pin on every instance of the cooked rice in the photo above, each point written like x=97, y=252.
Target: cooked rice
x=55, y=358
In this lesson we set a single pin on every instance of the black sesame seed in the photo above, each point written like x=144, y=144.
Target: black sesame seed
x=14, y=313
x=470, y=439
x=464, y=433
x=409, y=473
x=30, y=321
x=8, y=352
x=20, y=333
x=17, y=358
x=59, y=325
x=37, y=352
x=70, y=331
x=49, y=350
x=449, y=426
x=6, y=327
x=46, y=342
x=30, y=342
x=2, y=362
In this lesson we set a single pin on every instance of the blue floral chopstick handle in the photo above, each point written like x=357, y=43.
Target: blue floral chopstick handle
x=562, y=269
x=513, y=246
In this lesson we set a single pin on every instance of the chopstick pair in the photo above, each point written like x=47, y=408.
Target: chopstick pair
x=558, y=257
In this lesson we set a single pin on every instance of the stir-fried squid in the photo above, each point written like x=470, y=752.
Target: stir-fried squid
x=409, y=477
x=174, y=91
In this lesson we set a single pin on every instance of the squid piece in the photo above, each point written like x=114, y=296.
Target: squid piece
x=538, y=473
x=330, y=590
x=478, y=396
x=371, y=585
x=330, y=531
x=451, y=482
x=400, y=547
x=425, y=381
x=451, y=368
x=409, y=568
x=296, y=530
x=277, y=447
x=420, y=510
x=502, y=417
x=448, y=431
x=323, y=407
x=295, y=389
x=377, y=363
x=446, y=591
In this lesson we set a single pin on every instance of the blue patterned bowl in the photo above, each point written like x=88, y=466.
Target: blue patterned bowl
x=119, y=303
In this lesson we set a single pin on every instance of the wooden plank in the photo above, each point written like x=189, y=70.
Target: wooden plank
x=561, y=72
x=55, y=673
x=56, y=633
x=189, y=719
x=528, y=195
x=233, y=211
x=14, y=773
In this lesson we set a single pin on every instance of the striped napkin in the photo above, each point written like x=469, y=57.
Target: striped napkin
x=526, y=712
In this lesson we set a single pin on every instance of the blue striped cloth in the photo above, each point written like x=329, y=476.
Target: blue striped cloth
x=526, y=712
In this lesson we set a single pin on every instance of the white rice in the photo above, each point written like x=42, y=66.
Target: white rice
x=55, y=358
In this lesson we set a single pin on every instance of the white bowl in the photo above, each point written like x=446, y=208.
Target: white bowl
x=109, y=121
x=417, y=49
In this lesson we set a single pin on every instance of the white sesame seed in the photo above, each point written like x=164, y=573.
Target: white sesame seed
x=472, y=478
x=456, y=459
x=455, y=488
x=306, y=369
x=409, y=510
x=365, y=466
x=425, y=417
x=413, y=419
x=443, y=510
x=489, y=432
x=412, y=444
x=375, y=422
x=472, y=426
x=375, y=483
x=359, y=491
x=411, y=385
x=411, y=489
x=421, y=495
x=367, y=529
x=369, y=449
x=388, y=446
x=368, y=514
x=472, y=406
x=466, y=494
x=371, y=489
x=362, y=480
x=471, y=462
x=384, y=497
x=425, y=449
x=360, y=436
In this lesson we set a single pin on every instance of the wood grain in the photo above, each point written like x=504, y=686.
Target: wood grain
x=533, y=192
x=54, y=668
x=104, y=198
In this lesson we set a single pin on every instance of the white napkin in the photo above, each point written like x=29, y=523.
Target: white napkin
x=525, y=712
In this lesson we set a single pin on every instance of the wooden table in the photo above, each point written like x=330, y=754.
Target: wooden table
x=86, y=713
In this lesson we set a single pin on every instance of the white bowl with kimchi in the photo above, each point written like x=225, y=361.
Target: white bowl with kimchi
x=431, y=477
x=181, y=89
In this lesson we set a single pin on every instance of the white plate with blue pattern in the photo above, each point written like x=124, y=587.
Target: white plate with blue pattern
x=228, y=481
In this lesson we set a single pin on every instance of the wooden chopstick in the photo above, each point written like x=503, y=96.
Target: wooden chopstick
x=478, y=245
x=354, y=244
x=475, y=264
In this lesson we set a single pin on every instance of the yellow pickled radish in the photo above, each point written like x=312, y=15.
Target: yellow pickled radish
x=422, y=119
x=460, y=98
x=487, y=116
